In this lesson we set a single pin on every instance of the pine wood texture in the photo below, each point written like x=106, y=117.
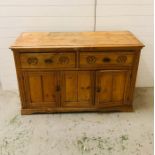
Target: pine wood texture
x=98, y=59
x=75, y=72
x=76, y=39
x=112, y=87
x=47, y=60
x=77, y=88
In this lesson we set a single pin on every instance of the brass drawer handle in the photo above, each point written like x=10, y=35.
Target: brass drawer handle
x=48, y=61
x=32, y=60
x=106, y=59
x=91, y=59
x=64, y=60
x=121, y=59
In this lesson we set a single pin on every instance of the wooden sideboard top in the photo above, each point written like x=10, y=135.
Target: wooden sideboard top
x=76, y=39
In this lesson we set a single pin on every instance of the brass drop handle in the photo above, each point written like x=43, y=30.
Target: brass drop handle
x=106, y=59
x=64, y=60
x=91, y=59
x=57, y=88
x=121, y=59
x=98, y=89
x=32, y=60
x=48, y=61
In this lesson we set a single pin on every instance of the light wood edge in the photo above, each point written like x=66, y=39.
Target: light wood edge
x=74, y=49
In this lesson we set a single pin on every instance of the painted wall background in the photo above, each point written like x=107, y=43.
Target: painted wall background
x=75, y=15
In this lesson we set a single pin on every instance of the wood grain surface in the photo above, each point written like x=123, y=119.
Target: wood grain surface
x=76, y=39
x=74, y=72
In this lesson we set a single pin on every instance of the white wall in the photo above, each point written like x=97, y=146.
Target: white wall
x=75, y=15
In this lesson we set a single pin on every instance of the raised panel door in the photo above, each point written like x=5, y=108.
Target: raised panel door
x=77, y=88
x=42, y=89
x=111, y=87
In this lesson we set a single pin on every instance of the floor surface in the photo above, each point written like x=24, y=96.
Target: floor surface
x=77, y=134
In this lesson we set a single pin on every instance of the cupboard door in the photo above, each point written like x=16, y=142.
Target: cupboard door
x=42, y=89
x=111, y=87
x=77, y=88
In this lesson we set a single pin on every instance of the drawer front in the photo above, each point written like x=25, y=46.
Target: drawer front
x=98, y=59
x=47, y=60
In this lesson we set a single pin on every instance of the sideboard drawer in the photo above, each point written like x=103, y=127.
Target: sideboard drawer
x=47, y=60
x=99, y=59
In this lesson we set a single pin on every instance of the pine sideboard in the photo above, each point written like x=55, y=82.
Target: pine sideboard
x=76, y=71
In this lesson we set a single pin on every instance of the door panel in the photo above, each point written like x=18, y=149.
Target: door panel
x=118, y=86
x=70, y=80
x=77, y=88
x=104, y=81
x=41, y=88
x=84, y=86
x=49, y=87
x=111, y=87
x=35, y=88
